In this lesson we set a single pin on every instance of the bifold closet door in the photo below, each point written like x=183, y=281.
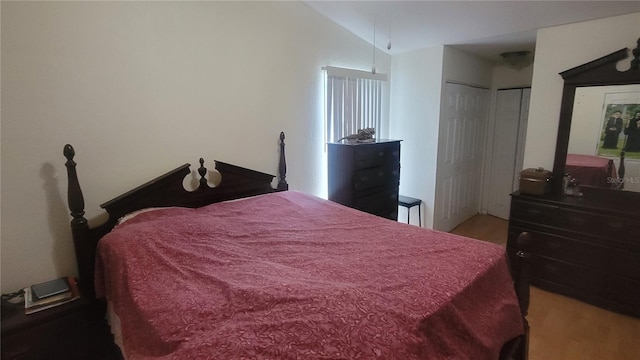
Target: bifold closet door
x=512, y=110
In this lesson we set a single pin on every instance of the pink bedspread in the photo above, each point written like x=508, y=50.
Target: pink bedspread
x=291, y=276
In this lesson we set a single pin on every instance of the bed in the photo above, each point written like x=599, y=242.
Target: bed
x=244, y=270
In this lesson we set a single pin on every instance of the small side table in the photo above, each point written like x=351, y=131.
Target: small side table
x=409, y=202
x=70, y=331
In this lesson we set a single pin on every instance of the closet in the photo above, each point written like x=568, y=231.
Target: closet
x=509, y=133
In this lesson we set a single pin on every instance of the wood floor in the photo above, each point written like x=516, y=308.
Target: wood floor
x=563, y=328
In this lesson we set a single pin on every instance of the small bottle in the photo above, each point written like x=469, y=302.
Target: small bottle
x=571, y=187
x=565, y=182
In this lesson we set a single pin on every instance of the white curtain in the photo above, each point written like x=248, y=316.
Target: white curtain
x=353, y=102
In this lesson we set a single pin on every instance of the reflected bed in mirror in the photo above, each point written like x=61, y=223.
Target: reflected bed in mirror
x=604, y=126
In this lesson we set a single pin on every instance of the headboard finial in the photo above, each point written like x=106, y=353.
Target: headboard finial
x=635, y=63
x=522, y=281
x=203, y=172
x=75, y=197
x=282, y=167
x=69, y=152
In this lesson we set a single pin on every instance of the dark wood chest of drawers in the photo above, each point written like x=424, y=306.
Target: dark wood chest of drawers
x=580, y=249
x=366, y=176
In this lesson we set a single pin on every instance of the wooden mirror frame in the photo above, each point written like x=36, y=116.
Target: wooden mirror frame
x=599, y=72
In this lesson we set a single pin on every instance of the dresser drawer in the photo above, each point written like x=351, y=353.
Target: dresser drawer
x=576, y=276
x=564, y=248
x=551, y=215
x=384, y=176
x=625, y=262
x=366, y=156
x=623, y=290
x=384, y=203
x=589, y=223
x=533, y=212
x=616, y=228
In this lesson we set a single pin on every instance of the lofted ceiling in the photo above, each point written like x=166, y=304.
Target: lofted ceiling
x=483, y=28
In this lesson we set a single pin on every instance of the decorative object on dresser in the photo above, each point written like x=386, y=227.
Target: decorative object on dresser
x=535, y=181
x=363, y=135
x=586, y=247
x=365, y=176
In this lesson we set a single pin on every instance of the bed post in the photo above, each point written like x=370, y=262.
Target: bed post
x=282, y=167
x=522, y=291
x=621, y=170
x=79, y=224
x=518, y=348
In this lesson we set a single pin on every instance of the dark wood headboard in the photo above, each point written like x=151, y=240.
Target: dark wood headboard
x=163, y=191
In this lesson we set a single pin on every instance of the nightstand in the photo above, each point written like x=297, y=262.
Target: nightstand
x=68, y=331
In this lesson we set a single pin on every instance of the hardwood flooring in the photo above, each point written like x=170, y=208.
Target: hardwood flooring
x=563, y=328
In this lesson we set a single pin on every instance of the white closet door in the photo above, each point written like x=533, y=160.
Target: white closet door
x=512, y=109
x=522, y=136
x=460, y=144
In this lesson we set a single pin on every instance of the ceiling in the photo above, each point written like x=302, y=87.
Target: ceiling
x=483, y=28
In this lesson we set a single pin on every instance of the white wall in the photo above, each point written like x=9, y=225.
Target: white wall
x=463, y=68
x=558, y=49
x=418, y=79
x=142, y=87
x=414, y=116
x=507, y=77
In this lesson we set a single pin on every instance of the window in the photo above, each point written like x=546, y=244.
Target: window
x=353, y=101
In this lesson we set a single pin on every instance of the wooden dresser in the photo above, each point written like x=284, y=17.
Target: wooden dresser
x=581, y=249
x=366, y=176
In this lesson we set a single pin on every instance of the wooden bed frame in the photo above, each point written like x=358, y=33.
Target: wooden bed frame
x=163, y=191
x=619, y=184
x=237, y=182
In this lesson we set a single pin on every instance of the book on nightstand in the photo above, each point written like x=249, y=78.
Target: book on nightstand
x=50, y=294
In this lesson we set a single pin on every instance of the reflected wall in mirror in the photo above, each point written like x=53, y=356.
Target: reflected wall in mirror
x=603, y=125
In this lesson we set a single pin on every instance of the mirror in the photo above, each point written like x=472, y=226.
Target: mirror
x=585, y=128
x=603, y=125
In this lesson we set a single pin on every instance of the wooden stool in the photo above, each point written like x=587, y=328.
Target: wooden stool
x=410, y=202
